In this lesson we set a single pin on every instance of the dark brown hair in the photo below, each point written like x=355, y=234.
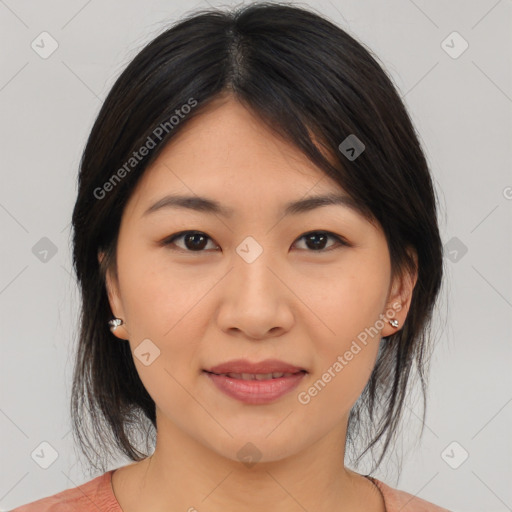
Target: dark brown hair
x=303, y=76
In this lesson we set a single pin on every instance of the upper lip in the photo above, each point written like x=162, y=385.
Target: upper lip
x=245, y=366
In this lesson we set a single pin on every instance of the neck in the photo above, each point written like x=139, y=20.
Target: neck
x=185, y=474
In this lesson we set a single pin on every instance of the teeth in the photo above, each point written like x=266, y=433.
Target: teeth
x=264, y=376
x=258, y=376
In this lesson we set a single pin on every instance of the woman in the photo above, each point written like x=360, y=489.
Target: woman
x=256, y=242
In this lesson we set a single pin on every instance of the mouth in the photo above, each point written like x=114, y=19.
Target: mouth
x=255, y=383
x=256, y=388
x=242, y=369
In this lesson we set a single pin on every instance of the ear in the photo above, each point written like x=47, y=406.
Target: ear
x=399, y=299
x=114, y=298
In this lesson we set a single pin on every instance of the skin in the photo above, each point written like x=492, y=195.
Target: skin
x=293, y=303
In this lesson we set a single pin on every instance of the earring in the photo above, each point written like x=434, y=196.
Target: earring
x=394, y=322
x=115, y=323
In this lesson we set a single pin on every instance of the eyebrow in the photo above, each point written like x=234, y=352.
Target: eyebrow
x=211, y=206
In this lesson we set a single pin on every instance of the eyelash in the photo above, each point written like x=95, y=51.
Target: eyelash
x=341, y=242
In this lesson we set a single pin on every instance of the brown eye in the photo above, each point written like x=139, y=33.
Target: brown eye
x=194, y=241
x=317, y=240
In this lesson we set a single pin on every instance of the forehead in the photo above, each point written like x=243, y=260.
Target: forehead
x=227, y=145
x=229, y=157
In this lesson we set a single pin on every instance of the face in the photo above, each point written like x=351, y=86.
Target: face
x=308, y=288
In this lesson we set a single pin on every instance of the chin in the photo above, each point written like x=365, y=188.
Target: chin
x=258, y=447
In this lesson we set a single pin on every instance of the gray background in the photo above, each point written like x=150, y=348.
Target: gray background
x=461, y=106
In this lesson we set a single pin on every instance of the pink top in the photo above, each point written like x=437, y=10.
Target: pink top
x=97, y=494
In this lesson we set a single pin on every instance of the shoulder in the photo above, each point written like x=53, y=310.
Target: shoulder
x=402, y=501
x=94, y=495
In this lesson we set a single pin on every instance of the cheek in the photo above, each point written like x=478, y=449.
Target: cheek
x=348, y=337
x=156, y=297
x=332, y=393
x=168, y=308
x=347, y=306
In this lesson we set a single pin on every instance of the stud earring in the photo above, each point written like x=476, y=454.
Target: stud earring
x=115, y=323
x=394, y=322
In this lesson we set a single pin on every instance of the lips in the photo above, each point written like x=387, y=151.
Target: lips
x=263, y=370
x=255, y=383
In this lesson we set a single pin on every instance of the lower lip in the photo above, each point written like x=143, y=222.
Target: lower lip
x=256, y=391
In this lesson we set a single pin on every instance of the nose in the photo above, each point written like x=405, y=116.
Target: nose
x=256, y=299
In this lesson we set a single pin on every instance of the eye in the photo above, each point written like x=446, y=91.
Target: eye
x=195, y=241
x=317, y=240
